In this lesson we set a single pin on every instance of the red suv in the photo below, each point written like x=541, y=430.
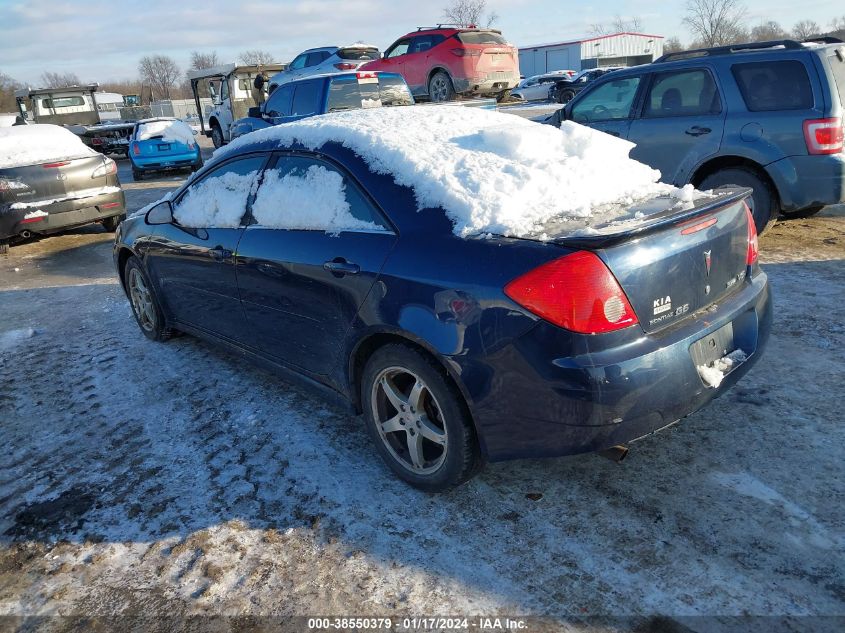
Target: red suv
x=440, y=63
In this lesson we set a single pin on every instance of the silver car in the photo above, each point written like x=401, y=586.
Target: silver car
x=325, y=60
x=536, y=88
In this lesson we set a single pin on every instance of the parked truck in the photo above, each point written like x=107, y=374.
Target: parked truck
x=75, y=108
x=232, y=91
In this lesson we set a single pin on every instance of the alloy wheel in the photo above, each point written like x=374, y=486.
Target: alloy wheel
x=142, y=301
x=439, y=89
x=409, y=420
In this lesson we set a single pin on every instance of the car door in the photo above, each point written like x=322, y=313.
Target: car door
x=279, y=103
x=681, y=123
x=607, y=106
x=193, y=259
x=302, y=275
x=394, y=61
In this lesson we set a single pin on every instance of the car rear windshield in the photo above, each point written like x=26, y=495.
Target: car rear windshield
x=360, y=54
x=767, y=86
x=480, y=37
x=837, y=67
x=351, y=93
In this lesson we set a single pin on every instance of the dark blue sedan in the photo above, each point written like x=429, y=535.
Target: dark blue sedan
x=458, y=349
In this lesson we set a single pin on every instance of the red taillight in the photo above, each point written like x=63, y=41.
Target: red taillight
x=96, y=141
x=753, y=244
x=577, y=292
x=823, y=136
x=346, y=66
x=136, y=149
x=366, y=75
x=110, y=205
x=466, y=52
x=37, y=218
x=59, y=164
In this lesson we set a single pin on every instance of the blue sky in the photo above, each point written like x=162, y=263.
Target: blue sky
x=102, y=40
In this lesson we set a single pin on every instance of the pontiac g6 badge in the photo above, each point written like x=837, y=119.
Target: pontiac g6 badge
x=707, y=262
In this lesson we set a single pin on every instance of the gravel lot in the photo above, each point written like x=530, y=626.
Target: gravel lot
x=175, y=479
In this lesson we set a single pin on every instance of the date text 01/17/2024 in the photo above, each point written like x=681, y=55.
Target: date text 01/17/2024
x=417, y=624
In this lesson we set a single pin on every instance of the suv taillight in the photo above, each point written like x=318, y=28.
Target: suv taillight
x=753, y=244
x=577, y=292
x=346, y=66
x=823, y=136
x=136, y=148
x=466, y=52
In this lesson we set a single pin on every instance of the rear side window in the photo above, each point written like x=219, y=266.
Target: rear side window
x=394, y=91
x=837, y=67
x=280, y=101
x=316, y=58
x=767, y=86
x=685, y=93
x=306, y=98
x=608, y=102
x=350, y=93
x=481, y=37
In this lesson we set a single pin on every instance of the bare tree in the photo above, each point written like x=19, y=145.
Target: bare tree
x=160, y=72
x=672, y=45
x=7, y=93
x=767, y=31
x=806, y=29
x=469, y=13
x=838, y=24
x=59, y=80
x=619, y=24
x=203, y=60
x=715, y=22
x=256, y=58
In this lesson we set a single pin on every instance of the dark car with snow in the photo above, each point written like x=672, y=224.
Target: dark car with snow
x=325, y=93
x=51, y=181
x=412, y=282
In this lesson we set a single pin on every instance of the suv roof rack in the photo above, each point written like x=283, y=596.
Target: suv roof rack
x=739, y=48
x=466, y=27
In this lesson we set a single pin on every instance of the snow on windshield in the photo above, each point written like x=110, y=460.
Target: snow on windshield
x=41, y=143
x=315, y=200
x=215, y=202
x=491, y=172
x=172, y=131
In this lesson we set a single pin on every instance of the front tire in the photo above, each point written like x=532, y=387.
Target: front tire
x=565, y=96
x=145, y=305
x=417, y=419
x=111, y=224
x=802, y=213
x=440, y=87
x=762, y=202
x=217, y=136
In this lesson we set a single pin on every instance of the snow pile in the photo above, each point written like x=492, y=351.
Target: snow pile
x=490, y=172
x=715, y=372
x=13, y=338
x=170, y=131
x=8, y=120
x=35, y=144
x=315, y=200
x=215, y=202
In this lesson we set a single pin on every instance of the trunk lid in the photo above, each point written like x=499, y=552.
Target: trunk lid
x=48, y=182
x=673, y=262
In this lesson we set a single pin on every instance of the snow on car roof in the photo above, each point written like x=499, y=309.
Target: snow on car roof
x=491, y=172
x=171, y=130
x=40, y=143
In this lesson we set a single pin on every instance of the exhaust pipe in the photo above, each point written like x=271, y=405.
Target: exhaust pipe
x=615, y=453
x=26, y=235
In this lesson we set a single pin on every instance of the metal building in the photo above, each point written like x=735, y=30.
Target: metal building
x=618, y=49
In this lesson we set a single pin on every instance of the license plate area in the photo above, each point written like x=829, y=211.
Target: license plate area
x=164, y=148
x=714, y=346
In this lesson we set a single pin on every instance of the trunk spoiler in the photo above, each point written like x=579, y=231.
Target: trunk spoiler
x=659, y=221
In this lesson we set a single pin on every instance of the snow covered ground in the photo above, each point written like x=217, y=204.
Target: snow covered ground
x=175, y=479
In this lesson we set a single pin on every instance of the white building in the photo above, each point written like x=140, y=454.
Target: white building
x=618, y=49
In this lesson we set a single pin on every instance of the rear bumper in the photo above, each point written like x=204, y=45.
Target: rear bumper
x=60, y=215
x=808, y=181
x=175, y=161
x=483, y=85
x=543, y=405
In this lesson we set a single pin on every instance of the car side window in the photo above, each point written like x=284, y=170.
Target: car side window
x=776, y=85
x=298, y=62
x=306, y=98
x=219, y=199
x=224, y=90
x=682, y=93
x=609, y=101
x=305, y=193
x=399, y=48
x=279, y=102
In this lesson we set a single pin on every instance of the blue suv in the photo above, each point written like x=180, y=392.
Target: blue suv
x=767, y=115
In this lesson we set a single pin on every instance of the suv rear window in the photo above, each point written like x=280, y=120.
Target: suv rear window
x=480, y=37
x=767, y=86
x=347, y=93
x=359, y=54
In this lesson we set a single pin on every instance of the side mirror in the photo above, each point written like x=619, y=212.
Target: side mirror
x=162, y=213
x=254, y=112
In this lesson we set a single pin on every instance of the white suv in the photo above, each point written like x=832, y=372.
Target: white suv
x=324, y=61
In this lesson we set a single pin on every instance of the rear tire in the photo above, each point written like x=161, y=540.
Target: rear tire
x=4, y=248
x=504, y=96
x=802, y=213
x=144, y=303
x=197, y=165
x=433, y=446
x=763, y=199
x=137, y=175
x=111, y=224
x=440, y=87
